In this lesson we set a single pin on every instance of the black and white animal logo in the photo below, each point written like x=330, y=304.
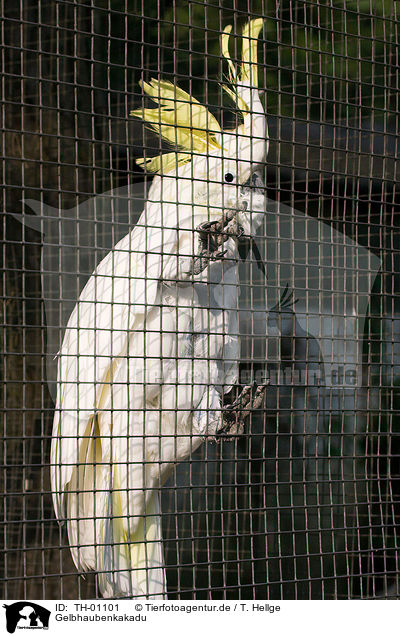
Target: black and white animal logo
x=26, y=615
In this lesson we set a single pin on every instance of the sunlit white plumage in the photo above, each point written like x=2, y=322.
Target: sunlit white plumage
x=149, y=348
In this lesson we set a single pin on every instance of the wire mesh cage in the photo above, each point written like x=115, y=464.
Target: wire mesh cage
x=298, y=497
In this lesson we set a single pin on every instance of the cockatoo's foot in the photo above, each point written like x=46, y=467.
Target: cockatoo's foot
x=221, y=231
x=234, y=415
x=212, y=236
x=210, y=243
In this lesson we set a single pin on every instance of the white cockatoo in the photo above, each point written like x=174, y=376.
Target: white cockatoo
x=152, y=344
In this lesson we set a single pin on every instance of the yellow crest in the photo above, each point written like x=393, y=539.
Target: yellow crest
x=186, y=124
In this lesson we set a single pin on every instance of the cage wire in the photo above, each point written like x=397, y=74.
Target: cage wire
x=304, y=504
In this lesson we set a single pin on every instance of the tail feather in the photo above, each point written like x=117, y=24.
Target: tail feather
x=133, y=566
x=128, y=563
x=85, y=500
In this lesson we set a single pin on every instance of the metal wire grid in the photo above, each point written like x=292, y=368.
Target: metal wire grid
x=246, y=519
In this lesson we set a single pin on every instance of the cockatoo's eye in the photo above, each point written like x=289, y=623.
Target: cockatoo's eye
x=229, y=177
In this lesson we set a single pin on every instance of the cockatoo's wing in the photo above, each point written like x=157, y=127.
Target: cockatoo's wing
x=113, y=303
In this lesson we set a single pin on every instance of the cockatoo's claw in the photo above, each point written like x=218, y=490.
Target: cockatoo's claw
x=240, y=233
x=218, y=232
x=211, y=239
x=201, y=261
x=218, y=255
x=234, y=415
x=212, y=236
x=259, y=396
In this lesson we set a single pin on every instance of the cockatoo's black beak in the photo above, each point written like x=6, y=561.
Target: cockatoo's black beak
x=247, y=244
x=255, y=181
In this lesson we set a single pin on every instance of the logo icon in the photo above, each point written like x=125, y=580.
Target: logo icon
x=26, y=615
